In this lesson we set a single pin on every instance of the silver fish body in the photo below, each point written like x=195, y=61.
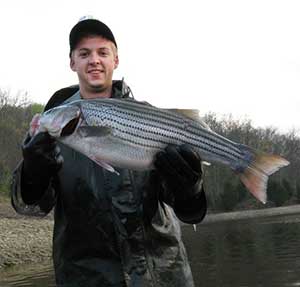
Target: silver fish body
x=128, y=134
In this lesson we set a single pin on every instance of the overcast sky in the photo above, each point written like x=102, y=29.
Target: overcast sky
x=224, y=56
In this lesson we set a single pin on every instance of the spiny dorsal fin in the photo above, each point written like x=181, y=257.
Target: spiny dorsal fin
x=191, y=114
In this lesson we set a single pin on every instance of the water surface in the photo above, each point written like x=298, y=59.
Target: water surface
x=29, y=275
x=249, y=253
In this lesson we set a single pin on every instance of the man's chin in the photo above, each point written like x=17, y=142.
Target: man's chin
x=98, y=88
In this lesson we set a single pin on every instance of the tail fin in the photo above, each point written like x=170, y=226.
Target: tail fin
x=255, y=176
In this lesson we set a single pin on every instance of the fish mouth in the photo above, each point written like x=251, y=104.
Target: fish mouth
x=70, y=127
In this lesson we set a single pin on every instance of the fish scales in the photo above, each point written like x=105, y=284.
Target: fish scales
x=134, y=119
x=126, y=128
x=197, y=131
x=148, y=136
x=186, y=137
x=156, y=123
x=173, y=119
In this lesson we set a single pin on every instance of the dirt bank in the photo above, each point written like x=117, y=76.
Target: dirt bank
x=23, y=239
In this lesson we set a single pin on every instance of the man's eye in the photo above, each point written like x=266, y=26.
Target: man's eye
x=83, y=54
x=103, y=53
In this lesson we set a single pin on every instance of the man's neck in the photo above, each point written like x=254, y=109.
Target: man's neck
x=94, y=94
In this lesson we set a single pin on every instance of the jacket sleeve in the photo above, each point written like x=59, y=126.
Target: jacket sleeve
x=26, y=197
x=191, y=211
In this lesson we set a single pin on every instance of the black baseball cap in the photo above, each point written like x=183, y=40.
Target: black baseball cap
x=89, y=27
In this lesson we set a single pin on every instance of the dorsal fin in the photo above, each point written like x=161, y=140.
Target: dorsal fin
x=191, y=114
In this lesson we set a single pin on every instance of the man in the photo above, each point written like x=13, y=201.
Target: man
x=110, y=230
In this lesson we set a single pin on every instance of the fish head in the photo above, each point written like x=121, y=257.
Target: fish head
x=59, y=121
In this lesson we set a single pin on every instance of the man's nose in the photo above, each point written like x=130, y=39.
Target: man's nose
x=94, y=58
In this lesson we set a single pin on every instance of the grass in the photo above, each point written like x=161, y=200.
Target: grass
x=4, y=198
x=4, y=193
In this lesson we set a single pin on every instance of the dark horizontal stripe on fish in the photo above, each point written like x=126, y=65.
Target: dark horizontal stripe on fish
x=141, y=110
x=162, y=144
x=208, y=146
x=137, y=123
x=119, y=125
x=176, y=121
x=109, y=115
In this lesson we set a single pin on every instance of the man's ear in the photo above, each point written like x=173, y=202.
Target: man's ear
x=116, y=61
x=72, y=63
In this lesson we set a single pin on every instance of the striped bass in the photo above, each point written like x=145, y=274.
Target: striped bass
x=127, y=134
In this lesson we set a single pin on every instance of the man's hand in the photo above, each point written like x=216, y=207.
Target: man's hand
x=181, y=171
x=42, y=157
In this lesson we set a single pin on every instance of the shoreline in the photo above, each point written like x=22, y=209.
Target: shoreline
x=251, y=213
x=25, y=239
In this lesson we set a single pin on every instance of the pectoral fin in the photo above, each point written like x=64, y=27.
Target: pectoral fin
x=103, y=164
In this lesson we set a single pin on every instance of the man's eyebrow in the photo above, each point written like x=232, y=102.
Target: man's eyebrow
x=83, y=49
x=104, y=48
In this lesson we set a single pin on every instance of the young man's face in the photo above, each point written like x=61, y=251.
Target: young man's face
x=94, y=60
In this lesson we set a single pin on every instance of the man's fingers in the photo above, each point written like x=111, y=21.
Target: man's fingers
x=191, y=157
x=171, y=163
x=163, y=164
x=182, y=167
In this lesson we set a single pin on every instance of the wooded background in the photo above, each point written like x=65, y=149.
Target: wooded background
x=224, y=190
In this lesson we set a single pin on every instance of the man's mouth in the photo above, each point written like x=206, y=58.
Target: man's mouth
x=95, y=72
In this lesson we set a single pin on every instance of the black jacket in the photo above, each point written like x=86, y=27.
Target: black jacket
x=110, y=230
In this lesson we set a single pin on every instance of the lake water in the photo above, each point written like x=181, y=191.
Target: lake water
x=247, y=253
